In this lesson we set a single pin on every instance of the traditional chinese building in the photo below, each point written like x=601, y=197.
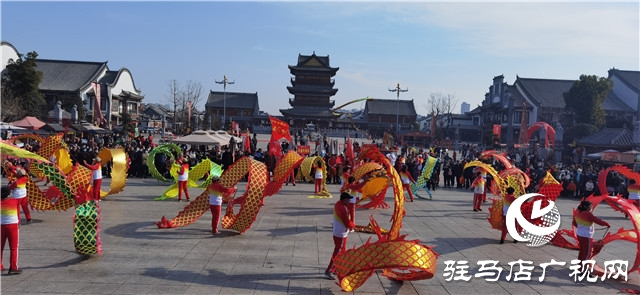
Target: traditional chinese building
x=389, y=115
x=67, y=78
x=242, y=108
x=312, y=89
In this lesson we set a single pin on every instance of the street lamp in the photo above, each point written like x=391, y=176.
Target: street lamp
x=398, y=90
x=224, y=82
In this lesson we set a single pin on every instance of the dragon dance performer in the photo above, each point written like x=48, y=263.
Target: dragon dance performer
x=352, y=188
x=96, y=176
x=183, y=178
x=634, y=192
x=342, y=224
x=478, y=191
x=506, y=202
x=407, y=179
x=318, y=176
x=10, y=229
x=216, y=191
x=583, y=220
x=19, y=189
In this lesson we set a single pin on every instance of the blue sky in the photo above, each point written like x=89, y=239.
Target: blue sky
x=449, y=48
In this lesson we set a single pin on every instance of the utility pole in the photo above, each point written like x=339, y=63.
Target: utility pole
x=224, y=83
x=175, y=107
x=397, y=90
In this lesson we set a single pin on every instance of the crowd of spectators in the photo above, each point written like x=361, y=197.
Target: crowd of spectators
x=578, y=179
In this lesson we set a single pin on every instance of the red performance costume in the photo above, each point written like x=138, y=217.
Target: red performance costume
x=96, y=176
x=583, y=220
x=10, y=229
x=319, y=174
x=183, y=178
x=216, y=192
x=342, y=224
x=407, y=179
x=352, y=188
x=478, y=191
x=19, y=190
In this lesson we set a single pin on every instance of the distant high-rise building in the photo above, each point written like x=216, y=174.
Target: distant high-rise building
x=464, y=108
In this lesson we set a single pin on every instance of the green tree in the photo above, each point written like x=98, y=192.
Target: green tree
x=21, y=94
x=586, y=97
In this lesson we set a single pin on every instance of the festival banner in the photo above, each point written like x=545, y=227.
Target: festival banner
x=496, y=130
x=97, y=112
x=304, y=150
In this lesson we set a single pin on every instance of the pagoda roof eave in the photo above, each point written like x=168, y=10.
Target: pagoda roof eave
x=295, y=69
x=299, y=90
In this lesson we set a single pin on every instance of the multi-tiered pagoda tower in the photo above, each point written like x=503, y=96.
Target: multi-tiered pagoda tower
x=312, y=89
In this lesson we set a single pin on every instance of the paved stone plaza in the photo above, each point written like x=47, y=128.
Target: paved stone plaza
x=284, y=252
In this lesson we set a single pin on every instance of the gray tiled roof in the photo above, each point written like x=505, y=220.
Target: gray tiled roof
x=62, y=75
x=236, y=100
x=304, y=58
x=631, y=78
x=547, y=93
x=155, y=111
x=390, y=107
x=609, y=137
x=614, y=103
x=109, y=77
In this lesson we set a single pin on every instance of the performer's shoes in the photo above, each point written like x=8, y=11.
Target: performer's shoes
x=188, y=200
x=294, y=184
x=515, y=241
x=215, y=232
x=179, y=200
x=28, y=221
x=15, y=271
x=475, y=210
x=479, y=209
x=501, y=241
x=328, y=275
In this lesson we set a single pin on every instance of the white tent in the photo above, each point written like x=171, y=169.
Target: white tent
x=199, y=137
x=224, y=136
x=5, y=125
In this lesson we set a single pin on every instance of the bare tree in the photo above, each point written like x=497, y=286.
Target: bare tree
x=181, y=96
x=440, y=104
x=191, y=94
x=173, y=97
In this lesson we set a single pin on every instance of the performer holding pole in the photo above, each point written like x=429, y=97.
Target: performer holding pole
x=216, y=191
x=342, y=224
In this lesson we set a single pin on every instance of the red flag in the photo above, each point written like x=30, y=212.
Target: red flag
x=349, y=148
x=246, y=145
x=279, y=129
x=274, y=148
x=497, y=128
